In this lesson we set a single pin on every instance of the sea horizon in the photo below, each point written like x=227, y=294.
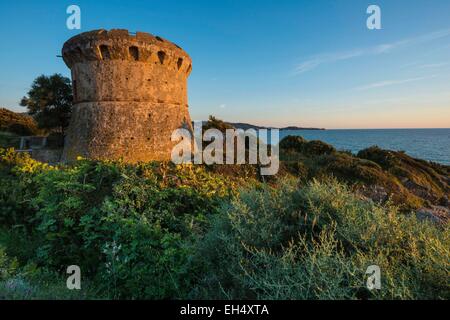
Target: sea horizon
x=431, y=144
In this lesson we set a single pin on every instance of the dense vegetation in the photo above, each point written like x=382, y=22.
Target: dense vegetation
x=17, y=124
x=158, y=231
x=380, y=175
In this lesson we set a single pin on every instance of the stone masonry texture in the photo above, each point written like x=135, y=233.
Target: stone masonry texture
x=130, y=94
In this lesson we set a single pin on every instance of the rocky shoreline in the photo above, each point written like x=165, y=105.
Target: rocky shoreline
x=380, y=175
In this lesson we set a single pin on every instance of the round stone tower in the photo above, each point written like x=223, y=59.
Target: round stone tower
x=130, y=94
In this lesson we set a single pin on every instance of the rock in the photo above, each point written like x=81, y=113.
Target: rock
x=376, y=193
x=435, y=214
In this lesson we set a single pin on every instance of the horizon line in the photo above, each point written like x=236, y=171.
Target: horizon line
x=305, y=127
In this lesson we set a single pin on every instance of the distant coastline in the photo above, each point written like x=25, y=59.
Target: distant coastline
x=245, y=126
x=427, y=144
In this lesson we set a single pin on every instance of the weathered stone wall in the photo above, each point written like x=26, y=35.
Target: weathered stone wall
x=51, y=156
x=130, y=94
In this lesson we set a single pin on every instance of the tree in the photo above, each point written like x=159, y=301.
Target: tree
x=214, y=123
x=50, y=102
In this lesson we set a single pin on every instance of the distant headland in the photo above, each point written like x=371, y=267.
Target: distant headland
x=245, y=126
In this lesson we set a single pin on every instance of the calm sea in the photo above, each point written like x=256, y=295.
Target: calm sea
x=428, y=144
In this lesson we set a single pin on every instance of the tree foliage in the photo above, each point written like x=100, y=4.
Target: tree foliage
x=50, y=102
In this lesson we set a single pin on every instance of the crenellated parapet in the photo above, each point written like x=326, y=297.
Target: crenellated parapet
x=119, y=44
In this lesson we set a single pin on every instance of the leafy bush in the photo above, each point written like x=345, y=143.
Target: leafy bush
x=294, y=143
x=155, y=217
x=7, y=266
x=316, y=243
x=160, y=231
x=308, y=148
x=129, y=227
x=17, y=173
x=317, y=147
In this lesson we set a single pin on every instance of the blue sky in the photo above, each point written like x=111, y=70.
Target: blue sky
x=277, y=62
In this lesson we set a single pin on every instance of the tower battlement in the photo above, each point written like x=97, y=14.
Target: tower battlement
x=119, y=44
x=130, y=94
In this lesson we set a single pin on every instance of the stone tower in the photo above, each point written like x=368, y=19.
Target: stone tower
x=130, y=94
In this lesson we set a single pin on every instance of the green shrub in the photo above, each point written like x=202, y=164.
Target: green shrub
x=160, y=231
x=7, y=266
x=155, y=218
x=292, y=143
x=316, y=243
x=67, y=214
x=316, y=147
x=297, y=144
x=129, y=227
x=17, y=187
